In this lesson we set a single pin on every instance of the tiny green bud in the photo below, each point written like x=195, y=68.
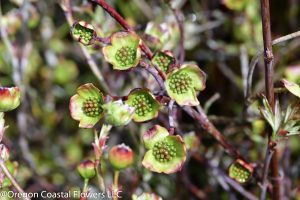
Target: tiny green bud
x=83, y=32
x=118, y=113
x=86, y=169
x=9, y=98
x=121, y=156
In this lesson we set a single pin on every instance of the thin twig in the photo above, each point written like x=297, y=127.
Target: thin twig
x=66, y=6
x=154, y=73
x=264, y=184
x=221, y=175
x=239, y=188
x=244, y=59
x=180, y=21
x=203, y=120
x=12, y=180
x=255, y=60
x=171, y=117
x=210, y=101
x=269, y=86
x=114, y=14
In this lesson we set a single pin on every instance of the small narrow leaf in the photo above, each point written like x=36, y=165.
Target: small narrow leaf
x=288, y=113
x=277, y=122
x=292, y=87
x=269, y=117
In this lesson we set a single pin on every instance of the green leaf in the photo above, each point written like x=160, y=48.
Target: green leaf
x=277, y=116
x=292, y=87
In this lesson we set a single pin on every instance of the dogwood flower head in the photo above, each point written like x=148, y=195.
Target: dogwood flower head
x=9, y=98
x=166, y=153
x=163, y=60
x=83, y=32
x=145, y=105
x=124, y=51
x=86, y=105
x=87, y=169
x=240, y=171
x=121, y=156
x=118, y=113
x=183, y=84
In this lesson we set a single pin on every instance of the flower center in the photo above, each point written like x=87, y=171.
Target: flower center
x=180, y=83
x=164, y=152
x=240, y=172
x=84, y=33
x=163, y=62
x=142, y=105
x=92, y=107
x=126, y=56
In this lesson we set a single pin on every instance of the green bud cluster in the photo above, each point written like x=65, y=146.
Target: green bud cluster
x=125, y=56
x=239, y=172
x=180, y=83
x=92, y=107
x=163, y=152
x=84, y=33
x=163, y=62
x=142, y=105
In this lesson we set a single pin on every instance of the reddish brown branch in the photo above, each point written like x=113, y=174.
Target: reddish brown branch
x=202, y=118
x=114, y=14
x=269, y=74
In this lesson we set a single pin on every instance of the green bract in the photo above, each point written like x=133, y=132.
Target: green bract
x=83, y=32
x=182, y=84
x=124, y=51
x=240, y=171
x=121, y=156
x=9, y=98
x=145, y=104
x=166, y=153
x=163, y=60
x=86, y=105
x=87, y=169
x=117, y=113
